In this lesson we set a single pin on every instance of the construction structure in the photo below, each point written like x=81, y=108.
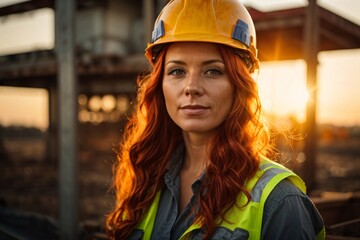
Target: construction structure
x=99, y=51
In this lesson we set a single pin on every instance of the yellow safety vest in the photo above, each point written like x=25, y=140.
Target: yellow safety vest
x=248, y=217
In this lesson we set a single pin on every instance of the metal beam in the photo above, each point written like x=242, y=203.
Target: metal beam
x=311, y=48
x=52, y=131
x=148, y=13
x=27, y=6
x=344, y=41
x=67, y=86
x=271, y=25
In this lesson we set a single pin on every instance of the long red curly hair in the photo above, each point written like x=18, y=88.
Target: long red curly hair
x=151, y=137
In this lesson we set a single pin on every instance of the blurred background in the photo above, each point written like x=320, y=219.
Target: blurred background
x=308, y=82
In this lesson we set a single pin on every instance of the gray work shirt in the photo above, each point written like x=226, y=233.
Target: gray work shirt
x=288, y=213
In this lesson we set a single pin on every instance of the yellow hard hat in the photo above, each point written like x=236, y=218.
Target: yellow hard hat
x=215, y=21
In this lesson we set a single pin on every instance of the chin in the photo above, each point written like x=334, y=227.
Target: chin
x=197, y=128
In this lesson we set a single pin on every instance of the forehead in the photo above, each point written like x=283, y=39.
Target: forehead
x=193, y=51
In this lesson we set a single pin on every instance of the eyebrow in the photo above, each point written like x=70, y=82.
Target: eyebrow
x=207, y=62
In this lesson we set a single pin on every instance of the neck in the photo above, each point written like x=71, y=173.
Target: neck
x=196, y=157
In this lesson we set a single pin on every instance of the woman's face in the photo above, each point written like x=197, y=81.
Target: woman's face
x=198, y=94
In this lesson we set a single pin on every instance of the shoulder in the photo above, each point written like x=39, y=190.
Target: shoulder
x=283, y=190
x=288, y=212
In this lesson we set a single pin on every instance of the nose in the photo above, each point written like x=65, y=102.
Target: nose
x=193, y=86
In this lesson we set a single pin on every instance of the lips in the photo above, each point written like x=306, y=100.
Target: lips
x=194, y=109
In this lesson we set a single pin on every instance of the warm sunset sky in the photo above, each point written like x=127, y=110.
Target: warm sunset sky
x=282, y=85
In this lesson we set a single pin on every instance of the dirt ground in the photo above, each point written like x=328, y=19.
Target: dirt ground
x=29, y=181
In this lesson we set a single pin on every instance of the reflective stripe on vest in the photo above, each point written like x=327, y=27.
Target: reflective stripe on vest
x=248, y=217
x=148, y=221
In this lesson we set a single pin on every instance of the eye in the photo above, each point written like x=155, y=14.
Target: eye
x=176, y=72
x=213, y=72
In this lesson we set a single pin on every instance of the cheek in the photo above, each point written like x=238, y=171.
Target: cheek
x=227, y=95
x=169, y=96
x=226, y=104
x=227, y=101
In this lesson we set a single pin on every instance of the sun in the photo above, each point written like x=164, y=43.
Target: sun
x=283, y=89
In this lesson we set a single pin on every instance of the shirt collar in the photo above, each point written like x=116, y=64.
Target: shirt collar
x=174, y=166
x=175, y=163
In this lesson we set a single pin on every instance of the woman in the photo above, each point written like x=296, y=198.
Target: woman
x=193, y=163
